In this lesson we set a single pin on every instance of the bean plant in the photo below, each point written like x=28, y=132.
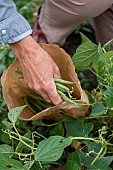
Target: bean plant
x=76, y=143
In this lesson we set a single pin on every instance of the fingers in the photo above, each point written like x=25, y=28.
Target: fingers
x=40, y=91
x=49, y=93
x=52, y=93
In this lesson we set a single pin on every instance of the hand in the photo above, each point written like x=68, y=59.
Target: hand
x=38, y=68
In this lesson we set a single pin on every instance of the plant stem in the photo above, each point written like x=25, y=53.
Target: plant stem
x=97, y=117
x=31, y=165
x=96, y=74
x=23, y=154
x=82, y=138
x=20, y=138
x=97, y=156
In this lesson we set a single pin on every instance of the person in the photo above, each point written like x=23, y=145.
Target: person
x=56, y=21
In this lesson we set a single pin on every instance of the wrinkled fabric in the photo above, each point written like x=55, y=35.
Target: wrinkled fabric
x=13, y=26
x=58, y=18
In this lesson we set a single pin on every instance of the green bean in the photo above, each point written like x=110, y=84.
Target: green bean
x=40, y=100
x=33, y=96
x=49, y=104
x=63, y=89
x=43, y=105
x=65, y=98
x=63, y=81
x=28, y=105
x=36, y=105
x=32, y=104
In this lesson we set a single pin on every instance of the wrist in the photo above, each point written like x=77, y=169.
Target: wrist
x=23, y=46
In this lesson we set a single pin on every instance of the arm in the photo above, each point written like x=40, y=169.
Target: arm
x=37, y=66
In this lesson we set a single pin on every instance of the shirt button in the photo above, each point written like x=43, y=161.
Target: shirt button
x=3, y=32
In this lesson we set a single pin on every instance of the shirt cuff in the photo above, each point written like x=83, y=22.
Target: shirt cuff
x=14, y=29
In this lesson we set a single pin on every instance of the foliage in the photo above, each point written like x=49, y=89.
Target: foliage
x=6, y=57
x=26, y=9
x=83, y=143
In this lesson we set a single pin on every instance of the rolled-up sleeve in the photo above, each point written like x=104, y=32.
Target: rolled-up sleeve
x=13, y=26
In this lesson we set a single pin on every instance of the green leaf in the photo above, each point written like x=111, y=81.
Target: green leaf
x=35, y=166
x=98, y=109
x=109, y=102
x=108, y=91
x=57, y=130
x=68, y=119
x=5, y=138
x=86, y=159
x=2, y=68
x=1, y=54
x=84, y=38
x=108, y=44
x=94, y=147
x=86, y=56
x=10, y=54
x=14, y=113
x=7, y=124
x=100, y=49
x=26, y=138
x=6, y=149
x=73, y=162
x=78, y=128
x=51, y=149
x=106, y=57
x=101, y=163
x=7, y=163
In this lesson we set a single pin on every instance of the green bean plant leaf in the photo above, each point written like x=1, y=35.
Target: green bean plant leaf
x=109, y=102
x=35, y=166
x=100, y=164
x=25, y=138
x=106, y=57
x=98, y=109
x=78, y=128
x=108, y=91
x=86, y=56
x=57, y=130
x=6, y=149
x=73, y=161
x=7, y=163
x=51, y=149
x=7, y=124
x=107, y=45
x=84, y=38
x=86, y=158
x=94, y=148
x=100, y=51
x=5, y=138
x=14, y=113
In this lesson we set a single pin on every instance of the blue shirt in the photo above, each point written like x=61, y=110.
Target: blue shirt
x=13, y=27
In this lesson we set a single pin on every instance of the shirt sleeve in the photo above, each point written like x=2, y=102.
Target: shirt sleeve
x=13, y=26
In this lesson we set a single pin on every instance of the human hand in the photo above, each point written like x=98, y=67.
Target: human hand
x=38, y=68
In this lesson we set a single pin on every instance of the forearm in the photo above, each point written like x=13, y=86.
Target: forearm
x=13, y=27
x=23, y=46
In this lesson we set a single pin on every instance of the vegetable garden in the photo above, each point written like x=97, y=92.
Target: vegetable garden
x=81, y=143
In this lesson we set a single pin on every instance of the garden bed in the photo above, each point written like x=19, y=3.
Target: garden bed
x=82, y=143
